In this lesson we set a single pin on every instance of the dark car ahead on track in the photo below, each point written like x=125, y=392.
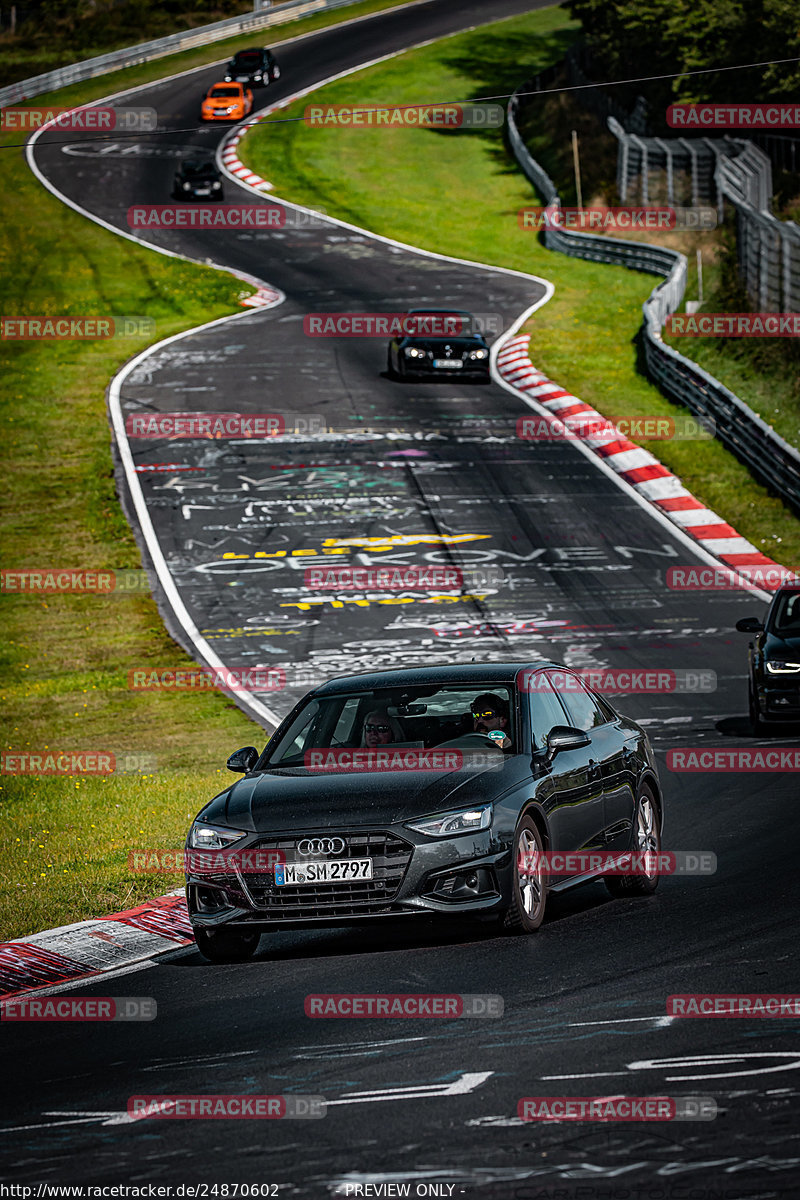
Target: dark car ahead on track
x=421, y=793
x=197, y=179
x=774, y=666
x=256, y=67
x=452, y=347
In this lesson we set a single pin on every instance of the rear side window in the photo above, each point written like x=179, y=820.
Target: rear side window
x=584, y=711
x=546, y=708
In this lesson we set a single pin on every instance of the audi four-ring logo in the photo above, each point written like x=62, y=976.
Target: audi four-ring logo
x=321, y=846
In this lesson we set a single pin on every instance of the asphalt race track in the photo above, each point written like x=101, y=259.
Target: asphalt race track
x=434, y=474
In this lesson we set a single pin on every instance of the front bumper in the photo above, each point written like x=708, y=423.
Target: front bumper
x=780, y=702
x=197, y=195
x=423, y=366
x=414, y=876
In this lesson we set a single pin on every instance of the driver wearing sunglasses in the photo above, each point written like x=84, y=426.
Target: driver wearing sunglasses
x=380, y=729
x=490, y=715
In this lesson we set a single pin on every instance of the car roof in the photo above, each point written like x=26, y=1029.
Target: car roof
x=477, y=673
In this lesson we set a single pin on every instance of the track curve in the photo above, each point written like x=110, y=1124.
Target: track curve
x=433, y=474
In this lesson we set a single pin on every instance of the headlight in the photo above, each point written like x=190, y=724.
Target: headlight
x=216, y=184
x=451, y=824
x=414, y=352
x=257, y=75
x=187, y=187
x=777, y=666
x=479, y=353
x=213, y=837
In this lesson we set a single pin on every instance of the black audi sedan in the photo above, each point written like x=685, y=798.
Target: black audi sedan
x=254, y=68
x=423, y=793
x=440, y=343
x=197, y=179
x=774, y=661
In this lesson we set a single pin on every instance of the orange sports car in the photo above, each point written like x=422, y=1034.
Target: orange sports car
x=226, y=102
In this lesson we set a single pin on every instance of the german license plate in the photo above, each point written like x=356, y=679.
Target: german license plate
x=204, y=191
x=450, y=364
x=342, y=870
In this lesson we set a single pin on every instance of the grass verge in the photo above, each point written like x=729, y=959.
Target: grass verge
x=64, y=841
x=459, y=192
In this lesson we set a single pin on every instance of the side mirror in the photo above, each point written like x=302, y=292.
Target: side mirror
x=749, y=625
x=243, y=760
x=564, y=737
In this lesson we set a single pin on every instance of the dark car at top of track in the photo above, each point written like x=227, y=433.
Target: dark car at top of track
x=256, y=67
x=197, y=179
x=461, y=352
x=422, y=793
x=774, y=660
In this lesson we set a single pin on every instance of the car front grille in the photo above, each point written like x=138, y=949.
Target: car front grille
x=390, y=857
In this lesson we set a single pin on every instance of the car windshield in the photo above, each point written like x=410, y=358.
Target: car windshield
x=408, y=717
x=222, y=93
x=420, y=322
x=786, y=617
x=205, y=170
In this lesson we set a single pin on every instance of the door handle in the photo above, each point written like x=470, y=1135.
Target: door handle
x=594, y=769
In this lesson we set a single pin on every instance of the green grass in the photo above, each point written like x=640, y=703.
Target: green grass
x=459, y=193
x=64, y=842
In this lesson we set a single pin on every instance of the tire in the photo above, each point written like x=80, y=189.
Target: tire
x=276, y=72
x=529, y=890
x=755, y=716
x=390, y=371
x=226, y=945
x=647, y=837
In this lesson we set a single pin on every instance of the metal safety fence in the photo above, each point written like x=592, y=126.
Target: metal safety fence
x=731, y=171
x=771, y=459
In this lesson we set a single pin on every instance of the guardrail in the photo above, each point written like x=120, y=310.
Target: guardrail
x=727, y=171
x=189, y=39
x=769, y=457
